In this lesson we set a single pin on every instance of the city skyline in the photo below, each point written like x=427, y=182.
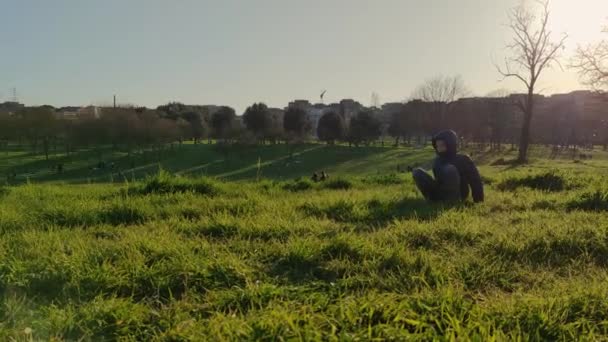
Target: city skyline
x=236, y=53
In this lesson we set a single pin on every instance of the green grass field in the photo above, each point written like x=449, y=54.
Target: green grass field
x=361, y=257
x=240, y=163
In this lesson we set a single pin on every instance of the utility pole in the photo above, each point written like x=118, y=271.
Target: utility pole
x=114, y=101
x=14, y=97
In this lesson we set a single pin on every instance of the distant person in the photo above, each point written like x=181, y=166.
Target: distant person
x=324, y=176
x=454, y=173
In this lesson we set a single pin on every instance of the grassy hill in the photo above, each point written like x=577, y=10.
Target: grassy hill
x=357, y=258
x=277, y=162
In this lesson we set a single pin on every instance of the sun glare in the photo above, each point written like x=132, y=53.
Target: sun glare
x=582, y=20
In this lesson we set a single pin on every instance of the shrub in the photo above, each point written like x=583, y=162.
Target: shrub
x=298, y=185
x=69, y=216
x=218, y=230
x=590, y=201
x=165, y=183
x=123, y=214
x=548, y=181
x=267, y=184
x=341, y=211
x=390, y=179
x=4, y=191
x=503, y=161
x=338, y=184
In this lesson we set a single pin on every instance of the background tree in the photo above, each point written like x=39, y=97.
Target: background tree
x=500, y=116
x=296, y=123
x=173, y=110
x=120, y=126
x=275, y=131
x=39, y=125
x=197, y=116
x=222, y=122
x=533, y=50
x=364, y=128
x=396, y=127
x=8, y=130
x=258, y=120
x=439, y=94
x=198, y=125
x=331, y=127
x=405, y=123
x=592, y=64
x=184, y=129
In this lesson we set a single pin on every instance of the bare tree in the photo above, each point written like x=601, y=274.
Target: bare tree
x=592, y=64
x=441, y=89
x=501, y=118
x=533, y=50
x=439, y=94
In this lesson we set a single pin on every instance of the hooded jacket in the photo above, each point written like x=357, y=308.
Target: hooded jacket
x=469, y=174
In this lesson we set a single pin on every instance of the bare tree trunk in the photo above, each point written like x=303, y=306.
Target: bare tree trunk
x=46, y=148
x=524, y=142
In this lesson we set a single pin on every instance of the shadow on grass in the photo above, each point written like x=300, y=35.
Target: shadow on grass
x=377, y=212
x=306, y=160
x=4, y=157
x=296, y=269
x=278, y=162
x=407, y=208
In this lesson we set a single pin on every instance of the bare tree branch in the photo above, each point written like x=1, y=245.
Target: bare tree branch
x=592, y=64
x=441, y=89
x=532, y=51
x=506, y=73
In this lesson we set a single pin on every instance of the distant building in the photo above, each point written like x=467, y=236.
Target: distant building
x=72, y=113
x=349, y=108
x=346, y=108
x=278, y=114
x=211, y=109
x=92, y=112
x=67, y=113
x=389, y=109
x=10, y=107
x=301, y=104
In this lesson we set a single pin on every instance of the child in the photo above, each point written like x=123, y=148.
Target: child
x=455, y=174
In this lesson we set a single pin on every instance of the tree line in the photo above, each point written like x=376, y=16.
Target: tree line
x=490, y=121
x=438, y=104
x=45, y=130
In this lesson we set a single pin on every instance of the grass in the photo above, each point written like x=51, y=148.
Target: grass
x=358, y=257
x=228, y=163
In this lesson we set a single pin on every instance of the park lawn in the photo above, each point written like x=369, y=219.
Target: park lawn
x=281, y=162
x=238, y=163
x=360, y=257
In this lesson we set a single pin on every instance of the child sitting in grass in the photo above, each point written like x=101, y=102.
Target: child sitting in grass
x=454, y=173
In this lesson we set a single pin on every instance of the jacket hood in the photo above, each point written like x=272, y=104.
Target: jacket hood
x=451, y=141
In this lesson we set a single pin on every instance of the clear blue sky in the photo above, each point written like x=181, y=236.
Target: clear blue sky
x=149, y=52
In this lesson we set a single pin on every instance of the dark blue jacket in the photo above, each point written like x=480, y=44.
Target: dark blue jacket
x=469, y=175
